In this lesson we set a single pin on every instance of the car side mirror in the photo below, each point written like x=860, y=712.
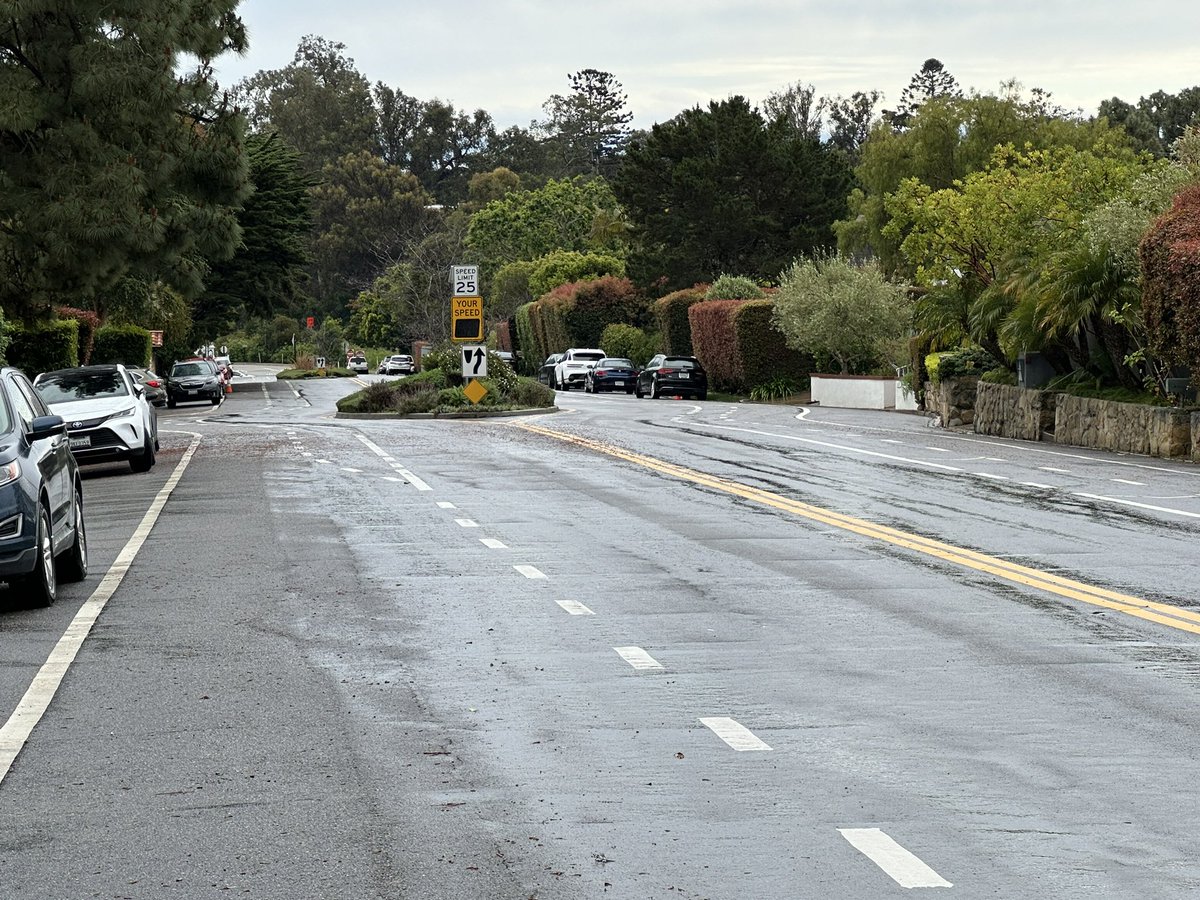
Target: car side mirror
x=46, y=426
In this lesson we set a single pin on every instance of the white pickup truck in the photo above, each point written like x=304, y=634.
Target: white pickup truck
x=572, y=369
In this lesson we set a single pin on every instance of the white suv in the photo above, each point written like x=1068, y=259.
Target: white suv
x=572, y=369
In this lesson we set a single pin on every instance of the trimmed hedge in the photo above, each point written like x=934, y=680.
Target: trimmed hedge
x=570, y=267
x=714, y=340
x=45, y=347
x=126, y=344
x=600, y=303
x=763, y=351
x=527, y=342
x=88, y=323
x=671, y=316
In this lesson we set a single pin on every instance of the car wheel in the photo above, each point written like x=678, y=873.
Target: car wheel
x=654, y=395
x=637, y=391
x=144, y=461
x=40, y=585
x=73, y=564
x=171, y=403
x=703, y=395
x=216, y=401
x=629, y=390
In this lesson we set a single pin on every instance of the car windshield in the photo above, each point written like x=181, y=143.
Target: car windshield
x=679, y=362
x=614, y=363
x=65, y=387
x=182, y=369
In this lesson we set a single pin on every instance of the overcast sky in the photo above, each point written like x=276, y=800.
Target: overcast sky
x=508, y=56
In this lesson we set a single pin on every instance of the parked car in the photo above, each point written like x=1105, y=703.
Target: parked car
x=107, y=414
x=155, y=385
x=546, y=372
x=400, y=365
x=358, y=365
x=571, y=371
x=42, y=536
x=611, y=374
x=194, y=381
x=673, y=376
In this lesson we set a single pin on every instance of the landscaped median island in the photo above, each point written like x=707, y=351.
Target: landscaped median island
x=438, y=391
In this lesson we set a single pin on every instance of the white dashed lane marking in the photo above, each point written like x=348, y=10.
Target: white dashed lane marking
x=467, y=523
x=396, y=467
x=903, y=867
x=638, y=658
x=530, y=571
x=1127, y=481
x=1035, y=484
x=733, y=733
x=574, y=607
x=443, y=504
x=1052, y=469
x=493, y=544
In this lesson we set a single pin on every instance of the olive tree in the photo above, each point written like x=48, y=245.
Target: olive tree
x=837, y=310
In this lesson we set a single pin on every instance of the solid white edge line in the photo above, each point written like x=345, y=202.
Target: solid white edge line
x=902, y=866
x=734, y=733
x=33, y=705
x=1161, y=509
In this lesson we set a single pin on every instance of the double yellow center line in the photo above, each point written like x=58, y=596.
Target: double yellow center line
x=1161, y=613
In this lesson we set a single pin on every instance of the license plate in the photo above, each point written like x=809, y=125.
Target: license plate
x=77, y=442
x=193, y=391
x=618, y=384
x=684, y=375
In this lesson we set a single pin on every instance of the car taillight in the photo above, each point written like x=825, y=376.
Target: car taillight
x=599, y=372
x=666, y=371
x=152, y=383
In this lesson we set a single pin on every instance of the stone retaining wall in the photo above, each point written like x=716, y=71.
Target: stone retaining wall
x=1030, y=415
x=1123, y=427
x=953, y=400
x=1023, y=414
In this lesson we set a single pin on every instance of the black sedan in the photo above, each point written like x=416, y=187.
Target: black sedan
x=611, y=374
x=42, y=535
x=194, y=381
x=673, y=376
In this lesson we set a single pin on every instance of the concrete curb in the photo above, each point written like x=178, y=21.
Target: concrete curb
x=481, y=414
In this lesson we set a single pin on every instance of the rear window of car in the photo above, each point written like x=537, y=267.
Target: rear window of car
x=587, y=356
x=65, y=387
x=614, y=363
x=358, y=359
x=680, y=362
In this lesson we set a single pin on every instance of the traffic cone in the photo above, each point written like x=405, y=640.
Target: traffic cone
x=229, y=387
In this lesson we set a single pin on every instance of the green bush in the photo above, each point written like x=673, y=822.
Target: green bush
x=532, y=394
x=734, y=287
x=531, y=355
x=126, y=344
x=1000, y=376
x=45, y=347
x=775, y=389
x=88, y=323
x=630, y=343
x=973, y=361
x=569, y=267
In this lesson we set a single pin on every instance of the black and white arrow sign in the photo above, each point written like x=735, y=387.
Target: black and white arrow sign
x=474, y=361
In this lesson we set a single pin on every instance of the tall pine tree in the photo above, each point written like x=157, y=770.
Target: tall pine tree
x=117, y=155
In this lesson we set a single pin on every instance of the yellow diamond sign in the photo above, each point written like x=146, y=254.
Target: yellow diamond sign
x=475, y=391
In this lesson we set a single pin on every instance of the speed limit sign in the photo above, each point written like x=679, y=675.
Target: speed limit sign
x=465, y=280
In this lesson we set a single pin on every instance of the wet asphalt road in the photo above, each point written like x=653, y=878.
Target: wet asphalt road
x=635, y=649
